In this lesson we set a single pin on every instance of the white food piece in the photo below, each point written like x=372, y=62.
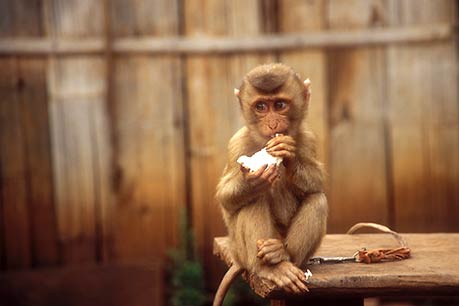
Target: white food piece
x=258, y=160
x=308, y=274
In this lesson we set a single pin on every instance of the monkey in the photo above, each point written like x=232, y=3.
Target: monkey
x=276, y=216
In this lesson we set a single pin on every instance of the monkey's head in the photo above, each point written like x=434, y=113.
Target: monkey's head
x=273, y=100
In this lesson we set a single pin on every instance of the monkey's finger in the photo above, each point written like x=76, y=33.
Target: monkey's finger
x=281, y=139
x=260, y=243
x=280, y=147
x=271, y=144
x=283, y=154
x=301, y=285
x=272, y=241
x=296, y=279
x=273, y=176
x=299, y=279
x=268, y=172
x=273, y=171
x=292, y=285
x=257, y=174
x=284, y=282
x=273, y=180
x=264, y=250
x=271, y=259
x=301, y=276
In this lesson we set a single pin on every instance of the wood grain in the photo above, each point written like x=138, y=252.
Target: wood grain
x=33, y=101
x=148, y=132
x=13, y=167
x=358, y=190
x=225, y=45
x=424, y=116
x=430, y=271
x=77, y=97
x=213, y=111
x=18, y=190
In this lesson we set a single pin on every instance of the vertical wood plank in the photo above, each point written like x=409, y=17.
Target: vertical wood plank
x=214, y=114
x=34, y=116
x=149, y=143
x=423, y=107
x=2, y=228
x=303, y=16
x=18, y=188
x=358, y=190
x=77, y=93
x=13, y=170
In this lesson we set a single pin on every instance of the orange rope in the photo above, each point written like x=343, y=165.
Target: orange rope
x=381, y=255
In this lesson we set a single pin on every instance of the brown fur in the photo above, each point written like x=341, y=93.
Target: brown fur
x=293, y=210
x=268, y=78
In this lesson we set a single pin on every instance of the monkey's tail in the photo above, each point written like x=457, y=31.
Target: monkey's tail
x=227, y=280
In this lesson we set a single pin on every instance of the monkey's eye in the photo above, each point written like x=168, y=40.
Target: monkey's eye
x=280, y=105
x=261, y=106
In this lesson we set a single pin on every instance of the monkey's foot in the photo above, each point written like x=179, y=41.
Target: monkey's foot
x=285, y=275
x=272, y=251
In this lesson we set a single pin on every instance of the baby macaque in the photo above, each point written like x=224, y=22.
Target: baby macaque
x=275, y=212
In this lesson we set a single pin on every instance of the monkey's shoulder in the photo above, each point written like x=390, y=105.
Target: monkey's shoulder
x=307, y=141
x=241, y=143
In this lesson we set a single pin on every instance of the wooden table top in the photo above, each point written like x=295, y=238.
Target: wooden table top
x=433, y=268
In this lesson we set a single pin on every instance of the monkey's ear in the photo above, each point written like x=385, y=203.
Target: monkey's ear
x=307, y=84
x=307, y=89
x=236, y=92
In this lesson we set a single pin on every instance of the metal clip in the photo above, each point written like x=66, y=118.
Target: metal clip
x=330, y=260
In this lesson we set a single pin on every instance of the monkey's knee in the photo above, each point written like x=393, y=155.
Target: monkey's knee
x=251, y=223
x=308, y=228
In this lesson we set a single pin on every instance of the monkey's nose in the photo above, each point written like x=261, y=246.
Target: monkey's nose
x=273, y=125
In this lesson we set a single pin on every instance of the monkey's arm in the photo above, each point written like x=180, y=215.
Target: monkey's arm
x=237, y=189
x=233, y=192
x=304, y=172
x=306, y=177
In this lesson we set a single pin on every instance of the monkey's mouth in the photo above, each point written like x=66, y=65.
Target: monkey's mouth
x=278, y=134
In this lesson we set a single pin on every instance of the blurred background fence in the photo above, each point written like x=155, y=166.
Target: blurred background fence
x=115, y=116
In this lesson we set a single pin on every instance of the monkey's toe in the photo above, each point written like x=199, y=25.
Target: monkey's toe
x=272, y=251
x=286, y=276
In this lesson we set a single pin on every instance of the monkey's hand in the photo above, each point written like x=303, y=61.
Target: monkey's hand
x=282, y=146
x=261, y=179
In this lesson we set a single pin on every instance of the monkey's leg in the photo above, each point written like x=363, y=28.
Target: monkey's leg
x=250, y=224
x=307, y=229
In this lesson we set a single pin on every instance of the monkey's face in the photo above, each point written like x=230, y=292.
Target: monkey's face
x=273, y=100
x=271, y=115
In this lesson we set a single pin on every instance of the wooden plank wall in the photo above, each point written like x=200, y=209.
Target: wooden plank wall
x=77, y=104
x=99, y=152
x=148, y=157
x=424, y=131
x=357, y=142
x=26, y=199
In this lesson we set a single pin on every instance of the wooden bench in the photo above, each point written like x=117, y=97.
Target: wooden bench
x=433, y=269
